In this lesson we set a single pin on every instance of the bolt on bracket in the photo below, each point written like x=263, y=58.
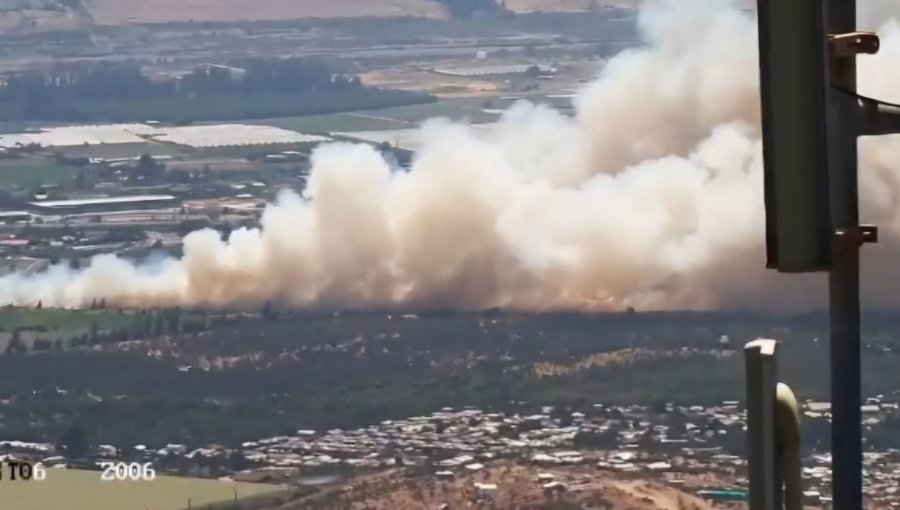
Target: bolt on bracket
x=853, y=43
x=860, y=234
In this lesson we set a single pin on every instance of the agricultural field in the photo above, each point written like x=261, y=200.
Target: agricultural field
x=524, y=6
x=72, y=321
x=399, y=117
x=84, y=490
x=16, y=5
x=22, y=173
x=52, y=324
x=124, y=150
x=36, y=15
x=117, y=12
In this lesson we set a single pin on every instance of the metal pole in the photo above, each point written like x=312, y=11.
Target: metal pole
x=843, y=278
x=763, y=470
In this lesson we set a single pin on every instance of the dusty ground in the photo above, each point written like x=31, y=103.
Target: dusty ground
x=621, y=357
x=550, y=5
x=432, y=83
x=37, y=20
x=565, y=5
x=518, y=487
x=116, y=12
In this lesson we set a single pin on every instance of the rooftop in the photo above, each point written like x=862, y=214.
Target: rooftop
x=102, y=200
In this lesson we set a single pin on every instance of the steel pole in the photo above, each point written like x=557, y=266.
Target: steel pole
x=843, y=278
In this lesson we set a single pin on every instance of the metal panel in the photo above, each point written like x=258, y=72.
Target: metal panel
x=793, y=89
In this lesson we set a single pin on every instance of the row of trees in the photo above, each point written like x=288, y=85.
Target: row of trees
x=469, y=8
x=246, y=89
x=126, y=81
x=147, y=324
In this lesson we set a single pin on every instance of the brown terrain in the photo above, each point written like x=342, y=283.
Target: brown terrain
x=36, y=20
x=119, y=12
x=522, y=6
x=517, y=486
x=116, y=12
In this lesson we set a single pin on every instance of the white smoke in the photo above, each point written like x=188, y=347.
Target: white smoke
x=651, y=196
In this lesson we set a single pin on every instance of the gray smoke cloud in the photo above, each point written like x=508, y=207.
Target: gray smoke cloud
x=651, y=196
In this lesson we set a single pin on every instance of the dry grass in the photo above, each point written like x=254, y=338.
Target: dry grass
x=83, y=490
x=659, y=497
x=117, y=12
x=32, y=20
x=522, y=6
x=621, y=357
x=518, y=487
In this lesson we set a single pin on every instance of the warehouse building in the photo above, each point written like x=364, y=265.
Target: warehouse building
x=101, y=205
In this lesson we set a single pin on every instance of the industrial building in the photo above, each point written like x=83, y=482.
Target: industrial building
x=494, y=70
x=103, y=204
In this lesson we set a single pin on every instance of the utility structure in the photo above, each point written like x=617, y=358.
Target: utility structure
x=773, y=427
x=812, y=117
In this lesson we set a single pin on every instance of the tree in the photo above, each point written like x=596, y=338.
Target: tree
x=147, y=168
x=508, y=431
x=74, y=441
x=469, y=8
x=267, y=312
x=237, y=461
x=15, y=345
x=160, y=324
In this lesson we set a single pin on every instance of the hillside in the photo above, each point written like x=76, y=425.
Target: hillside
x=517, y=485
x=349, y=370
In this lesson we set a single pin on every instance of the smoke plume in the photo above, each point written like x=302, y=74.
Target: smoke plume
x=650, y=196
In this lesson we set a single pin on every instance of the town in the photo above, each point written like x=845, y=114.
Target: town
x=695, y=449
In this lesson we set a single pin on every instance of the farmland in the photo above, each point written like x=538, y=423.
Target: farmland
x=120, y=12
x=84, y=490
x=117, y=12
x=398, y=117
x=53, y=324
x=66, y=320
x=27, y=174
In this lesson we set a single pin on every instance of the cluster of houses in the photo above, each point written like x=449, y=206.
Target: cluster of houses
x=671, y=443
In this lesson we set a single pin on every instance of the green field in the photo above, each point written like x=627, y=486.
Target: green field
x=27, y=173
x=56, y=323
x=399, y=117
x=65, y=320
x=123, y=150
x=66, y=489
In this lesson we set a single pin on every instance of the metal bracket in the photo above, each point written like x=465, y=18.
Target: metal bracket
x=860, y=234
x=853, y=43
